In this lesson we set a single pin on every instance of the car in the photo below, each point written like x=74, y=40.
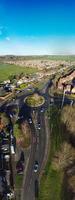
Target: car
x=18, y=91
x=10, y=128
x=5, y=145
x=7, y=166
x=12, y=149
x=13, y=142
x=6, y=163
x=4, y=182
x=13, y=99
x=36, y=166
x=8, y=173
x=51, y=101
x=1, y=162
x=10, y=115
x=7, y=157
x=11, y=131
x=20, y=117
x=8, y=194
x=30, y=121
x=2, y=134
x=5, y=148
x=1, y=185
x=5, y=141
x=42, y=110
x=28, y=89
x=39, y=126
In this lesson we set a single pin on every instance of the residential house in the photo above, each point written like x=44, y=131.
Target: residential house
x=73, y=90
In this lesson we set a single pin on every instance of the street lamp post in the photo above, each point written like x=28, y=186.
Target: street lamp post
x=63, y=99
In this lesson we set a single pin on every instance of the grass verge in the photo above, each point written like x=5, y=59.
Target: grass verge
x=51, y=181
x=18, y=181
x=23, y=135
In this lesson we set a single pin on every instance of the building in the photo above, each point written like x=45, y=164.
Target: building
x=68, y=88
x=73, y=90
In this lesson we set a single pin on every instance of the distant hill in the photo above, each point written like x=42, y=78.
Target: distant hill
x=44, y=57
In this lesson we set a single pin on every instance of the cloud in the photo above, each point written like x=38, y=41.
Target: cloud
x=41, y=46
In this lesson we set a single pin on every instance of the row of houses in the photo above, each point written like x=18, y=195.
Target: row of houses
x=68, y=88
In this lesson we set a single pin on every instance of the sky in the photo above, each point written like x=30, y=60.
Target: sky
x=37, y=27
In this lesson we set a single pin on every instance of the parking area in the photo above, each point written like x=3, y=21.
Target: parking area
x=7, y=149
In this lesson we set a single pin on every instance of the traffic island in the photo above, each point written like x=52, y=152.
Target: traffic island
x=34, y=100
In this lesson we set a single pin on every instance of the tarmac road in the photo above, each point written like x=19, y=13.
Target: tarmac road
x=37, y=153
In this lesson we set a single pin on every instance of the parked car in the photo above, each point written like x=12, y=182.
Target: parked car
x=8, y=194
x=5, y=149
x=12, y=149
x=13, y=141
x=5, y=141
x=7, y=157
x=2, y=134
x=10, y=128
x=8, y=173
x=4, y=182
x=5, y=145
x=6, y=165
x=1, y=186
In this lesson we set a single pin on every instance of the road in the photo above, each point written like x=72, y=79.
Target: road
x=37, y=153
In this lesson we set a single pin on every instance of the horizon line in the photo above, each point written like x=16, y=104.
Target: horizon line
x=36, y=55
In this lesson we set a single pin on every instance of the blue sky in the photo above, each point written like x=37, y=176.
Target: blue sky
x=37, y=27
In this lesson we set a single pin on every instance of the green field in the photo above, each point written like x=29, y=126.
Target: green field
x=7, y=70
x=62, y=57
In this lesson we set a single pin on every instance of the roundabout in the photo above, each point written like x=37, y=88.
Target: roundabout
x=34, y=100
